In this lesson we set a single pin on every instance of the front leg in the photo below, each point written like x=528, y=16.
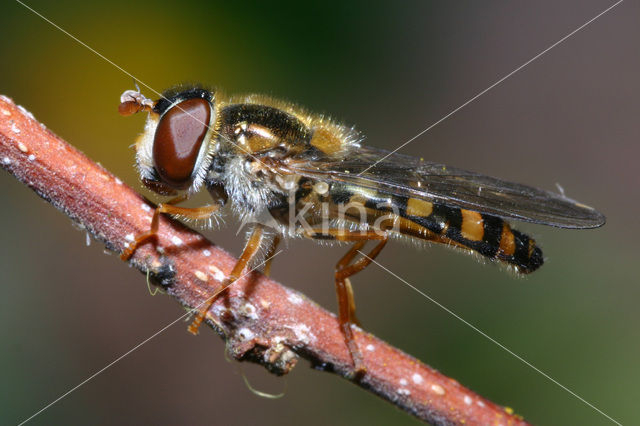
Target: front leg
x=168, y=207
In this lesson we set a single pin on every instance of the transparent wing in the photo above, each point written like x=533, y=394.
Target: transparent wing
x=408, y=176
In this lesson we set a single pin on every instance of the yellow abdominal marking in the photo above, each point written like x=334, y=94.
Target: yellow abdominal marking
x=507, y=241
x=472, y=225
x=419, y=208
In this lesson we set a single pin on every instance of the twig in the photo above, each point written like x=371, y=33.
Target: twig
x=260, y=320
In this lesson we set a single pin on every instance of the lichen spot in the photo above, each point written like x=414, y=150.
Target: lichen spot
x=176, y=240
x=508, y=410
x=6, y=160
x=118, y=181
x=15, y=128
x=201, y=276
x=26, y=112
x=437, y=389
x=467, y=400
x=370, y=348
x=294, y=298
x=206, y=253
x=472, y=225
x=403, y=391
x=245, y=334
x=417, y=379
x=145, y=207
x=326, y=142
x=302, y=332
x=22, y=147
x=6, y=113
x=129, y=237
x=217, y=273
x=220, y=310
x=404, y=382
x=420, y=208
x=249, y=311
x=31, y=157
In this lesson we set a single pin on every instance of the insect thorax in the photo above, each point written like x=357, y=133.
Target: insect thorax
x=253, y=140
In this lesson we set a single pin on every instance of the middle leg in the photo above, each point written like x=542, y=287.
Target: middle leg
x=250, y=250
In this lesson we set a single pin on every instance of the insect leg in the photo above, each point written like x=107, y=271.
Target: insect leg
x=250, y=250
x=343, y=263
x=347, y=271
x=346, y=301
x=345, y=268
x=269, y=255
x=168, y=207
x=153, y=230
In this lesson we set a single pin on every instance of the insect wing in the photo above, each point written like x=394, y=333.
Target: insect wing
x=403, y=175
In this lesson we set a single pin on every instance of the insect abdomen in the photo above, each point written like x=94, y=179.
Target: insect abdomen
x=487, y=235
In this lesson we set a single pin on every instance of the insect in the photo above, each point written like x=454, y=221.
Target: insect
x=288, y=173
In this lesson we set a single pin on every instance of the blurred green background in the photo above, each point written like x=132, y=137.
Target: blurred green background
x=392, y=69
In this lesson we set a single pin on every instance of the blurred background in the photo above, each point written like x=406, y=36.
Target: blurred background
x=570, y=117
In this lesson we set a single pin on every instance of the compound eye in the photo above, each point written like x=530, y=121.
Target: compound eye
x=178, y=139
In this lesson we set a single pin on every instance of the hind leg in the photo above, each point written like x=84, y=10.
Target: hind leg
x=346, y=268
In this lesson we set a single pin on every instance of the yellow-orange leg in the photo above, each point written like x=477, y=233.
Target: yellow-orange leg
x=269, y=256
x=345, y=269
x=352, y=303
x=250, y=250
x=168, y=207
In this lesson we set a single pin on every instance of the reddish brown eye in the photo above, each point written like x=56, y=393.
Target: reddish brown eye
x=178, y=139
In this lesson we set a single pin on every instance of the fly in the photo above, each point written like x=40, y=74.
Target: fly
x=286, y=172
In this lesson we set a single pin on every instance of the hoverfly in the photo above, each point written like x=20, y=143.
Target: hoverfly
x=262, y=155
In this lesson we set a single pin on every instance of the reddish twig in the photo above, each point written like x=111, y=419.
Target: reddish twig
x=260, y=320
